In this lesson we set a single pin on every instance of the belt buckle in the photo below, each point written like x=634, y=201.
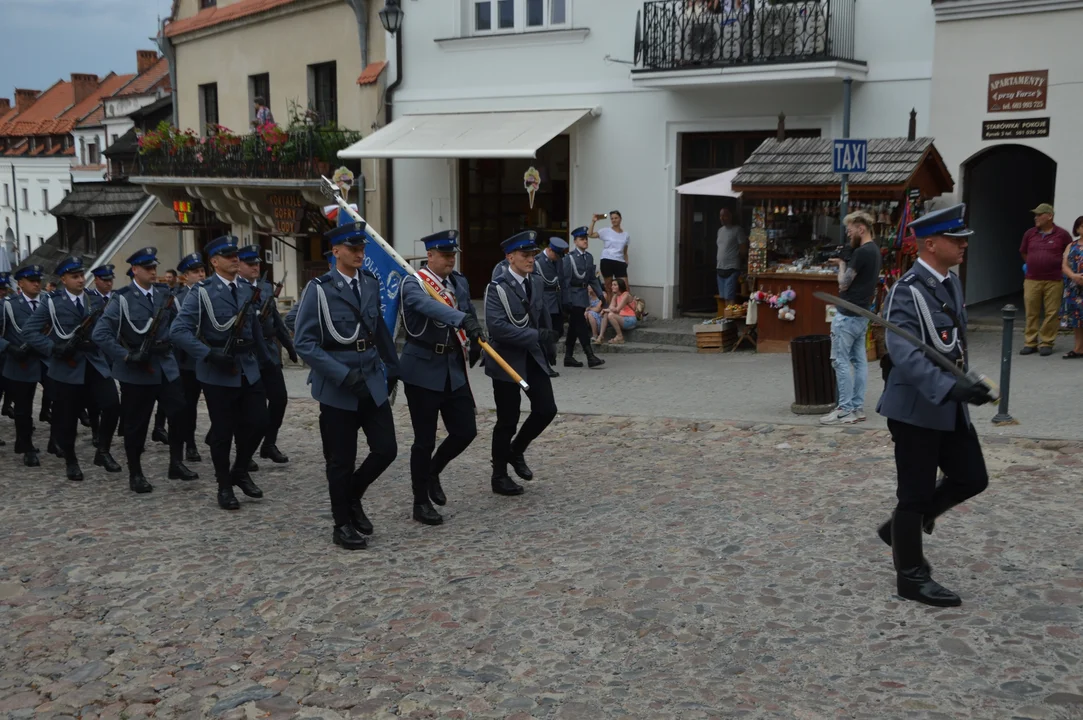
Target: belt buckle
x=440, y=348
x=360, y=346
x=959, y=364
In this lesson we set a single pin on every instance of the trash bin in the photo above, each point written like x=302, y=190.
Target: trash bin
x=814, y=388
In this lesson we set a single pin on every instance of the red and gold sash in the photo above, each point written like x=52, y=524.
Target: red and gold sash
x=436, y=288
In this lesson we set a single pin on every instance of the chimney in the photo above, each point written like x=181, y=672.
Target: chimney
x=5, y=105
x=912, y=133
x=781, y=127
x=24, y=99
x=84, y=86
x=145, y=60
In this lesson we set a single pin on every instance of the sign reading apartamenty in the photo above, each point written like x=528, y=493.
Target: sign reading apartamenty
x=1018, y=91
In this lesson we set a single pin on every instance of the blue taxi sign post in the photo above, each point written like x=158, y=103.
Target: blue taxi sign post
x=850, y=156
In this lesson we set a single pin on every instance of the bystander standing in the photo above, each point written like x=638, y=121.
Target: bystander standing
x=1043, y=251
x=1071, y=310
x=732, y=244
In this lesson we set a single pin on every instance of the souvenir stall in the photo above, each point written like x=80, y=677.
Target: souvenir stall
x=796, y=224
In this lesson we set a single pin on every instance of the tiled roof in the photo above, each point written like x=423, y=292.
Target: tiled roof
x=807, y=161
x=96, y=199
x=54, y=112
x=372, y=73
x=157, y=76
x=216, y=15
x=94, y=119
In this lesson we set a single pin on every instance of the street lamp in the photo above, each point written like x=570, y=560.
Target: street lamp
x=391, y=16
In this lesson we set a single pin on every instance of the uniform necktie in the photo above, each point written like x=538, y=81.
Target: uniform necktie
x=951, y=291
x=33, y=305
x=356, y=291
x=79, y=306
x=526, y=287
x=233, y=291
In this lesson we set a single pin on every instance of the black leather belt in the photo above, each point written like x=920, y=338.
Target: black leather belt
x=438, y=348
x=238, y=345
x=360, y=345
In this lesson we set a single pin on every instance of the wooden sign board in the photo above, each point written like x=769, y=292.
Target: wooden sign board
x=288, y=212
x=1018, y=91
x=1015, y=129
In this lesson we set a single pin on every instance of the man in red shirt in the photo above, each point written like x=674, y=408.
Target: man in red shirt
x=1043, y=250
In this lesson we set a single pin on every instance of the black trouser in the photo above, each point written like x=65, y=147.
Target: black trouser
x=557, y=319
x=46, y=389
x=21, y=396
x=339, y=430
x=160, y=416
x=236, y=413
x=456, y=407
x=274, y=382
x=920, y=451
x=543, y=408
x=136, y=403
x=578, y=329
x=187, y=419
x=69, y=400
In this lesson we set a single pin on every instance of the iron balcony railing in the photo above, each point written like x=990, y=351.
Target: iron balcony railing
x=677, y=34
x=301, y=154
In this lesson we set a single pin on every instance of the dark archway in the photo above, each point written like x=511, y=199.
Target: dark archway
x=1000, y=187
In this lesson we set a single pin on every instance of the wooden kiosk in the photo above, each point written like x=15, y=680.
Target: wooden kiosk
x=796, y=219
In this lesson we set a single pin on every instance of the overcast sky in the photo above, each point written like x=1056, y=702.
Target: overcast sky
x=42, y=41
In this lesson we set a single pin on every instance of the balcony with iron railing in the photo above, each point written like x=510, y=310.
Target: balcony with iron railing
x=678, y=35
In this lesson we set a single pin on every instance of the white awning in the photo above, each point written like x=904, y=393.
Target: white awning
x=720, y=185
x=512, y=134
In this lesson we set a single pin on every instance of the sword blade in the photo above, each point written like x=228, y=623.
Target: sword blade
x=932, y=353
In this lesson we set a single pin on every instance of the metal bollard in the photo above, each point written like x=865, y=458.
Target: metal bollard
x=1003, y=417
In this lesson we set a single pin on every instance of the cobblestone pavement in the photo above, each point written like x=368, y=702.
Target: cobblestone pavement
x=655, y=569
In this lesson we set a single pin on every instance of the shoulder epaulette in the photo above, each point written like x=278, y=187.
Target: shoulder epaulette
x=325, y=278
x=456, y=272
x=498, y=280
x=370, y=274
x=162, y=286
x=205, y=282
x=59, y=292
x=123, y=291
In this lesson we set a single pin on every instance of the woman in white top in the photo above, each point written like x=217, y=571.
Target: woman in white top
x=614, y=262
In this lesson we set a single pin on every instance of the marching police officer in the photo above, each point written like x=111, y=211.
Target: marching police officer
x=6, y=409
x=192, y=270
x=79, y=371
x=550, y=267
x=273, y=328
x=521, y=332
x=133, y=332
x=926, y=406
x=103, y=275
x=341, y=334
x=227, y=361
x=22, y=367
x=581, y=273
x=440, y=332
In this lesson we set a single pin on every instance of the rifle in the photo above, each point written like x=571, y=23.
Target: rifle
x=152, y=332
x=238, y=323
x=80, y=334
x=266, y=309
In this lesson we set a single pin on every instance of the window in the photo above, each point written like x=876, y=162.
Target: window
x=92, y=153
x=115, y=137
x=45, y=199
x=208, y=106
x=323, y=92
x=26, y=200
x=518, y=15
x=259, y=86
x=7, y=196
x=203, y=4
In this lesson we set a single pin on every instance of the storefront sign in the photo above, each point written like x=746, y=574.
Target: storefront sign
x=288, y=212
x=182, y=209
x=1018, y=92
x=1010, y=129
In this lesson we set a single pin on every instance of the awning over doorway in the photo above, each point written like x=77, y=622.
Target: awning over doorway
x=720, y=185
x=511, y=134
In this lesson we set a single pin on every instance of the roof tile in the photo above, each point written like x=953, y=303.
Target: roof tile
x=371, y=73
x=216, y=15
x=157, y=76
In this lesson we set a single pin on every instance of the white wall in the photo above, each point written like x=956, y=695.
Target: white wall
x=627, y=157
x=33, y=174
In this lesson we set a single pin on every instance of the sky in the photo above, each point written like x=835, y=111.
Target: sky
x=42, y=41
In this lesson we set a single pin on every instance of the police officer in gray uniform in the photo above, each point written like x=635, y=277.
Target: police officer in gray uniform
x=22, y=366
x=521, y=332
x=926, y=406
x=79, y=371
x=194, y=272
x=342, y=336
x=230, y=376
x=433, y=367
x=102, y=278
x=581, y=273
x=273, y=329
x=143, y=365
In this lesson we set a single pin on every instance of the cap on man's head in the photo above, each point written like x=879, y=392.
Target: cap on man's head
x=1042, y=209
x=581, y=232
x=225, y=245
x=147, y=257
x=526, y=241
x=190, y=262
x=251, y=254
x=950, y=222
x=104, y=272
x=5, y=278
x=351, y=234
x=443, y=241
x=30, y=272
x=558, y=245
x=69, y=264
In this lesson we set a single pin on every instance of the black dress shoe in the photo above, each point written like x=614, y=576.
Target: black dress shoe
x=226, y=499
x=160, y=435
x=177, y=471
x=192, y=455
x=346, y=536
x=1028, y=350
x=436, y=491
x=572, y=362
x=594, y=361
x=105, y=460
x=44, y=416
x=518, y=464
x=553, y=373
x=30, y=459
x=359, y=519
x=9, y=411
x=917, y=584
x=139, y=484
x=272, y=453
x=252, y=466
x=249, y=488
x=84, y=419
x=504, y=485
x=425, y=513
x=74, y=472
x=52, y=449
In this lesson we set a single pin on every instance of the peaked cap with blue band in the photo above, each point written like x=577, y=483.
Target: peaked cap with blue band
x=30, y=271
x=147, y=257
x=527, y=240
x=225, y=245
x=352, y=234
x=581, y=232
x=950, y=222
x=250, y=254
x=443, y=241
x=190, y=262
x=104, y=272
x=558, y=245
x=69, y=264
x=5, y=278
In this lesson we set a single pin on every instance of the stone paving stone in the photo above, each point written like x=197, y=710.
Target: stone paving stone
x=655, y=568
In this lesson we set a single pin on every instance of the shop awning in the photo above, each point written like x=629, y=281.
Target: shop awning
x=512, y=134
x=720, y=185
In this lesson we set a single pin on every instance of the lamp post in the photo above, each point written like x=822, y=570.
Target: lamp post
x=391, y=17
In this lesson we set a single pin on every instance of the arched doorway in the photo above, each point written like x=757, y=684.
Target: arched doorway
x=11, y=247
x=1000, y=187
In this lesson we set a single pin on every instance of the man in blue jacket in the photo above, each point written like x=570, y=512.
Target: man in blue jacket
x=581, y=273
x=22, y=366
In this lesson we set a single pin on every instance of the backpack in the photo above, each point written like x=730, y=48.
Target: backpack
x=641, y=308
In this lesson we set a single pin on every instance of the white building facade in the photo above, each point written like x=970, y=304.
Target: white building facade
x=29, y=187
x=482, y=82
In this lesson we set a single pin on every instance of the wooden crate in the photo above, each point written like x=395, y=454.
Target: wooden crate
x=715, y=338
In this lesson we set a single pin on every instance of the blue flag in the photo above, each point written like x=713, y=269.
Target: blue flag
x=389, y=273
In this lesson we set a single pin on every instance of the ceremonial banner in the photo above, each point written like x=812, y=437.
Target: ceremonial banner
x=380, y=264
